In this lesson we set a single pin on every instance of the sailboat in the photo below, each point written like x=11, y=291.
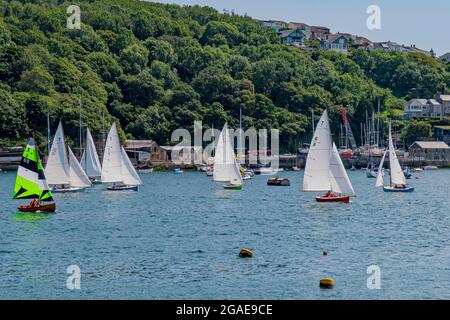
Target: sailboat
x=397, y=178
x=31, y=182
x=117, y=167
x=63, y=171
x=89, y=161
x=324, y=170
x=226, y=168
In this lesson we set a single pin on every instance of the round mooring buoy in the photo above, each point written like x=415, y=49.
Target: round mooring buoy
x=327, y=283
x=245, y=253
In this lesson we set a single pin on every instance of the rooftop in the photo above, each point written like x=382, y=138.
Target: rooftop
x=138, y=144
x=432, y=144
x=444, y=97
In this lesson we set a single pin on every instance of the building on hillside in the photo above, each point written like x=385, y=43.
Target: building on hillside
x=416, y=109
x=320, y=33
x=444, y=99
x=295, y=37
x=442, y=133
x=393, y=46
x=336, y=42
x=302, y=26
x=144, y=153
x=445, y=57
x=422, y=108
x=274, y=24
x=430, y=151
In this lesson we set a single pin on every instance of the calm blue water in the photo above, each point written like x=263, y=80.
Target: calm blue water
x=179, y=238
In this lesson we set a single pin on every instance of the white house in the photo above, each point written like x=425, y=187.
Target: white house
x=446, y=57
x=422, y=108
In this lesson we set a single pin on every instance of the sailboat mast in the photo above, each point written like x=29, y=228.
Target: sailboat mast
x=48, y=134
x=103, y=133
x=378, y=123
x=312, y=121
x=80, y=141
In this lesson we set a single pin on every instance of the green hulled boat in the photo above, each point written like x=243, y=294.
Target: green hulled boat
x=233, y=187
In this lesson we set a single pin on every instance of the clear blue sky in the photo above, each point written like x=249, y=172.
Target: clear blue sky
x=423, y=23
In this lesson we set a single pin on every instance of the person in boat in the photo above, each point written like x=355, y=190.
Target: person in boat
x=401, y=186
x=35, y=203
x=329, y=194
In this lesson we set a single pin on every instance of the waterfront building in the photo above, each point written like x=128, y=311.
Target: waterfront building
x=429, y=151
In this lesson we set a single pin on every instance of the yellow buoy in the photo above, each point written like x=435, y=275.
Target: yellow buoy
x=245, y=253
x=327, y=283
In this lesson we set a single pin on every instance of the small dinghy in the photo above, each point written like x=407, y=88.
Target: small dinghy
x=51, y=207
x=117, y=167
x=333, y=198
x=324, y=170
x=31, y=182
x=63, y=171
x=397, y=176
x=177, y=171
x=226, y=168
x=279, y=182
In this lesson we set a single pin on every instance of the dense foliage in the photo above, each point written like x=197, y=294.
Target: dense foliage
x=154, y=68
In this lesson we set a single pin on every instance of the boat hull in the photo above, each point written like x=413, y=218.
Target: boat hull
x=51, y=207
x=232, y=187
x=278, y=182
x=392, y=189
x=123, y=188
x=66, y=190
x=344, y=199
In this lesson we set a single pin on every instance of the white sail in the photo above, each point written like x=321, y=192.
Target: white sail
x=129, y=175
x=236, y=177
x=380, y=182
x=77, y=176
x=112, y=158
x=316, y=176
x=224, y=158
x=340, y=183
x=57, y=167
x=89, y=160
x=396, y=172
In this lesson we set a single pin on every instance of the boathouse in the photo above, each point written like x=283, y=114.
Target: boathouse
x=430, y=151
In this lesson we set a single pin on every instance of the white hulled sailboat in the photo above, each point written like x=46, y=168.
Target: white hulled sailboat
x=397, y=177
x=63, y=171
x=324, y=170
x=117, y=167
x=89, y=160
x=226, y=168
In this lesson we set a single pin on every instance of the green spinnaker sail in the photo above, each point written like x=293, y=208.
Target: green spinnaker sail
x=30, y=181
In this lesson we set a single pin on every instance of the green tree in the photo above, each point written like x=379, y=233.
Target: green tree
x=416, y=130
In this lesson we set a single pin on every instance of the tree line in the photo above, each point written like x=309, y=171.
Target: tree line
x=154, y=68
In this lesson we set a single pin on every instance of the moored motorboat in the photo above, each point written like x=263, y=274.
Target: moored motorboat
x=177, y=171
x=279, y=182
